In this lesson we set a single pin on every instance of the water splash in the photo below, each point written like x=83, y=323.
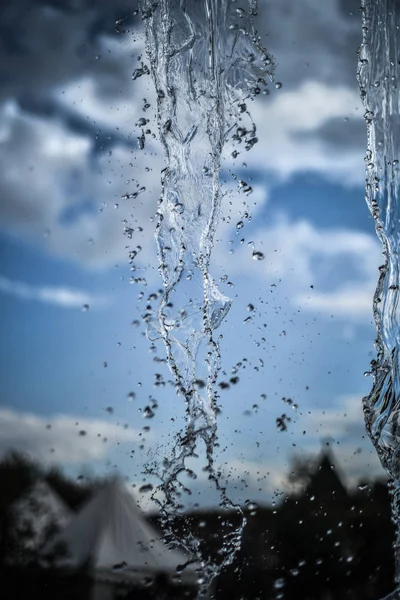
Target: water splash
x=379, y=76
x=206, y=62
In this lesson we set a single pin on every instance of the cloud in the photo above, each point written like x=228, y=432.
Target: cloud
x=330, y=270
x=50, y=183
x=319, y=38
x=354, y=301
x=46, y=44
x=59, y=296
x=69, y=107
x=257, y=477
x=61, y=438
x=317, y=127
x=340, y=418
x=342, y=421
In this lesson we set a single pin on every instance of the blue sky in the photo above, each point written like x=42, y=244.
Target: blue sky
x=68, y=370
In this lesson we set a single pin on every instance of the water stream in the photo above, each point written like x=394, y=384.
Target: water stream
x=379, y=76
x=207, y=64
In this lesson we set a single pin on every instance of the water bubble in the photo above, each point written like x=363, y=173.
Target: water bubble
x=279, y=583
x=250, y=143
x=147, y=487
x=143, y=70
x=362, y=487
x=224, y=385
x=148, y=413
x=119, y=566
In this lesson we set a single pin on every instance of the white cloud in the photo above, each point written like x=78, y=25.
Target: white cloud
x=61, y=438
x=292, y=131
x=52, y=184
x=60, y=296
x=348, y=301
x=291, y=250
x=342, y=420
x=267, y=475
x=118, y=113
x=47, y=168
x=338, y=418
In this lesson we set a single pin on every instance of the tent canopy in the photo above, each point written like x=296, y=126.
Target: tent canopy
x=111, y=535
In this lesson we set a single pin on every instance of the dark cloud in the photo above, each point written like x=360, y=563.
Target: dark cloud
x=312, y=39
x=68, y=108
x=102, y=139
x=46, y=44
x=339, y=133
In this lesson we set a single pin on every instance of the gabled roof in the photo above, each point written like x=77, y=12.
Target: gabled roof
x=326, y=483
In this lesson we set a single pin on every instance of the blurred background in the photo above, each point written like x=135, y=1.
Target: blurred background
x=84, y=393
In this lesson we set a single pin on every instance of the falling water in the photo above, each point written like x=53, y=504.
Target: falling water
x=207, y=64
x=379, y=76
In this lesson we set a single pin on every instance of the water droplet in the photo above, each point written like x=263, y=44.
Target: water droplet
x=119, y=566
x=148, y=413
x=85, y=307
x=147, y=487
x=278, y=85
x=143, y=70
x=257, y=255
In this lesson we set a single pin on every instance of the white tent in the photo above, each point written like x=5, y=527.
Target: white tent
x=36, y=515
x=111, y=535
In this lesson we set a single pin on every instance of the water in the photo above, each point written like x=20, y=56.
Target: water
x=379, y=76
x=207, y=64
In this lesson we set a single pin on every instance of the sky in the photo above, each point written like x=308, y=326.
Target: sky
x=77, y=370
